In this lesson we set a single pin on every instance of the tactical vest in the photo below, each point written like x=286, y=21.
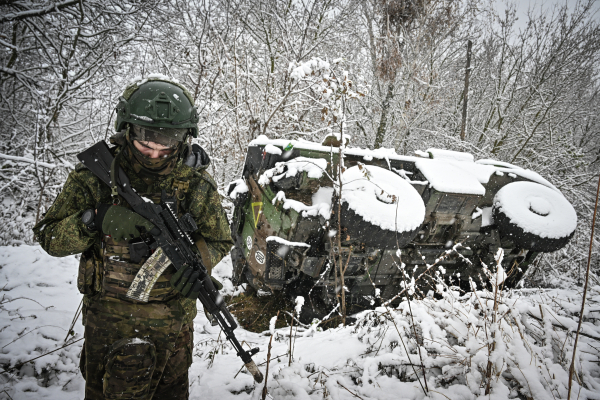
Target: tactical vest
x=118, y=271
x=115, y=273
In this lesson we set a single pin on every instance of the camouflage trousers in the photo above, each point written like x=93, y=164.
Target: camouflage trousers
x=135, y=351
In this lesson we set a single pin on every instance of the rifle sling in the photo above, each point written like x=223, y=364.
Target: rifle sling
x=204, y=254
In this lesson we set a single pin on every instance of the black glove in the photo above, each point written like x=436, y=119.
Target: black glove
x=185, y=281
x=122, y=223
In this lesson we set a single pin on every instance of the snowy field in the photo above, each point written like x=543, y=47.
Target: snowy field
x=519, y=346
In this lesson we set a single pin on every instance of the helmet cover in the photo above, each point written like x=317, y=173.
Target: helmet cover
x=159, y=105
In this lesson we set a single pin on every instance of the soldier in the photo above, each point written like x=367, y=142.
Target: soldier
x=136, y=350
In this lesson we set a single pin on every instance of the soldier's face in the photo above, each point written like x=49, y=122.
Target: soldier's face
x=152, y=149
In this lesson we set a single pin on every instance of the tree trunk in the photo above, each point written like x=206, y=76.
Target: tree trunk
x=385, y=108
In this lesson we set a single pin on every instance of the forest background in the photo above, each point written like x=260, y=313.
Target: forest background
x=533, y=96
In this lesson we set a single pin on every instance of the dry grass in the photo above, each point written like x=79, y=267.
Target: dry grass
x=254, y=312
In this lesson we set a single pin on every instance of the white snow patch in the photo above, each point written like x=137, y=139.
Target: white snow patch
x=336, y=135
x=446, y=177
x=299, y=303
x=364, y=357
x=480, y=170
x=240, y=187
x=142, y=118
x=439, y=154
x=286, y=242
x=320, y=208
x=314, y=168
x=300, y=70
x=487, y=218
x=495, y=163
x=273, y=149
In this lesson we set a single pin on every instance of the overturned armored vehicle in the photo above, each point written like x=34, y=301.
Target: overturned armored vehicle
x=396, y=213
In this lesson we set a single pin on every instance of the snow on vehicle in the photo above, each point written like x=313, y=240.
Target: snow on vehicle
x=394, y=209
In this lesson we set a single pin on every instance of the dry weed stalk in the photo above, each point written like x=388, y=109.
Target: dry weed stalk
x=585, y=287
x=264, y=391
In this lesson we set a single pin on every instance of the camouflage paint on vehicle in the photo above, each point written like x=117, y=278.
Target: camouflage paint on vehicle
x=449, y=220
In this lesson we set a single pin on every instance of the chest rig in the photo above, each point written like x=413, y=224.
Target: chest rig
x=120, y=266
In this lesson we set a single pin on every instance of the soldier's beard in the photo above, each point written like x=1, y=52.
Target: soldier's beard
x=151, y=167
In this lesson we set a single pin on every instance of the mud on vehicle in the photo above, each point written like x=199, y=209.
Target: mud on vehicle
x=394, y=209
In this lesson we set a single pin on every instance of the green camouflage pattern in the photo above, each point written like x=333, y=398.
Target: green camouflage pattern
x=108, y=319
x=122, y=223
x=130, y=364
x=125, y=374
x=61, y=232
x=119, y=272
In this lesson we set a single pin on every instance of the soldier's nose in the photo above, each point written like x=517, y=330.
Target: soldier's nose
x=154, y=153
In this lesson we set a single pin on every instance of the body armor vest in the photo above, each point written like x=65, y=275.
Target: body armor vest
x=119, y=271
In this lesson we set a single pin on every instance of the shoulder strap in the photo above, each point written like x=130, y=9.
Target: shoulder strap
x=204, y=253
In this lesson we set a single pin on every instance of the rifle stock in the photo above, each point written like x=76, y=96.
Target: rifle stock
x=173, y=241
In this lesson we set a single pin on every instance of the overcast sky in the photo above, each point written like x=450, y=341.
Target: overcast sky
x=541, y=5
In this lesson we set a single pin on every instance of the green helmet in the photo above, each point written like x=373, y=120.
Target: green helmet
x=157, y=103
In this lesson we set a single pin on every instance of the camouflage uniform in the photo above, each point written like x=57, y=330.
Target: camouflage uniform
x=135, y=350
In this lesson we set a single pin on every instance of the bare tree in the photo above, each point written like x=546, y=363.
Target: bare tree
x=53, y=61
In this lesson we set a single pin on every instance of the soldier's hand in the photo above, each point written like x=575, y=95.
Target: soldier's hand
x=185, y=281
x=122, y=223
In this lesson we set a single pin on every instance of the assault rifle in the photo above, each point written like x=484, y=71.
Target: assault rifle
x=173, y=245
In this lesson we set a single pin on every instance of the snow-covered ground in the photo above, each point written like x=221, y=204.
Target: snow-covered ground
x=525, y=343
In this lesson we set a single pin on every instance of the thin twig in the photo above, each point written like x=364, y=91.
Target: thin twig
x=349, y=391
x=79, y=309
x=264, y=391
x=585, y=286
x=45, y=354
x=405, y=349
x=290, y=352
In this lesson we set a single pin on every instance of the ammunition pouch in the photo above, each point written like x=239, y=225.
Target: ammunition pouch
x=130, y=364
x=88, y=276
x=120, y=271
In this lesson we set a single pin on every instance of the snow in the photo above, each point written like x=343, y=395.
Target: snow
x=336, y=136
x=449, y=155
x=490, y=162
x=314, y=168
x=299, y=303
x=321, y=207
x=142, y=118
x=537, y=209
x=286, y=242
x=446, y=177
x=487, y=217
x=240, y=187
x=370, y=359
x=273, y=150
x=382, y=198
x=463, y=167
x=300, y=70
